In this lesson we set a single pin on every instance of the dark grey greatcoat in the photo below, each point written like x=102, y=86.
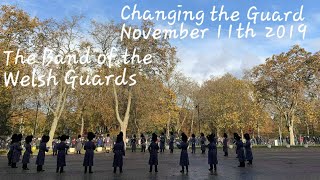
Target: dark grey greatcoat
x=248, y=150
x=16, y=152
x=61, y=157
x=193, y=144
x=225, y=144
x=212, y=153
x=162, y=142
x=171, y=142
x=240, y=151
x=119, y=152
x=184, y=159
x=89, y=147
x=42, y=154
x=153, y=149
x=26, y=154
x=203, y=143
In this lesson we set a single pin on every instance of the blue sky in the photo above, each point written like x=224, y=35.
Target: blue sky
x=200, y=58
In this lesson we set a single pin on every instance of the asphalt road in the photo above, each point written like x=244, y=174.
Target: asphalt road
x=274, y=164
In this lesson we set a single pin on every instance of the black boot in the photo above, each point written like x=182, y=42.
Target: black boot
x=150, y=170
x=114, y=169
x=120, y=169
x=90, y=169
x=13, y=165
x=155, y=168
x=211, y=167
x=182, y=171
x=25, y=167
x=187, y=169
x=85, y=169
x=57, y=170
x=215, y=167
x=61, y=170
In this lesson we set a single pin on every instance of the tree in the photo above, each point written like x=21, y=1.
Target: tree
x=281, y=82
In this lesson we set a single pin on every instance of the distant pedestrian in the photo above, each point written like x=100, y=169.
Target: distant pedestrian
x=203, y=143
x=119, y=152
x=133, y=143
x=153, y=150
x=89, y=147
x=171, y=142
x=79, y=144
x=108, y=143
x=143, y=143
x=248, y=150
x=184, y=159
x=212, y=152
x=162, y=142
x=54, y=146
x=27, y=153
x=225, y=144
x=193, y=143
x=42, y=153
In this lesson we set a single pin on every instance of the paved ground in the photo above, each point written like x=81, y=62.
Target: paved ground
x=275, y=163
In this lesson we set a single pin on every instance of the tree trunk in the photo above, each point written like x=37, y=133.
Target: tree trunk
x=308, y=130
x=123, y=123
x=82, y=126
x=192, y=120
x=280, y=134
x=168, y=125
x=241, y=134
x=53, y=130
x=292, y=142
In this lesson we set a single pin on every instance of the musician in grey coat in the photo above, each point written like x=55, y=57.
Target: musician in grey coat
x=212, y=152
x=27, y=153
x=89, y=147
x=16, y=153
x=171, y=142
x=203, y=143
x=248, y=150
x=119, y=152
x=184, y=159
x=240, y=151
x=61, y=157
x=162, y=142
x=225, y=144
x=42, y=152
x=10, y=152
x=153, y=150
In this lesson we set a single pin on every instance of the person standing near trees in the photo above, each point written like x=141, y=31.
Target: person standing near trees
x=193, y=143
x=17, y=149
x=143, y=143
x=203, y=143
x=62, y=147
x=119, y=152
x=239, y=150
x=162, y=142
x=79, y=144
x=42, y=152
x=153, y=150
x=171, y=142
x=212, y=152
x=225, y=144
x=133, y=143
x=248, y=150
x=184, y=159
x=89, y=147
x=10, y=152
x=27, y=153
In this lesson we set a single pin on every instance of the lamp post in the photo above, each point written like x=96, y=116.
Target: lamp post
x=36, y=119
